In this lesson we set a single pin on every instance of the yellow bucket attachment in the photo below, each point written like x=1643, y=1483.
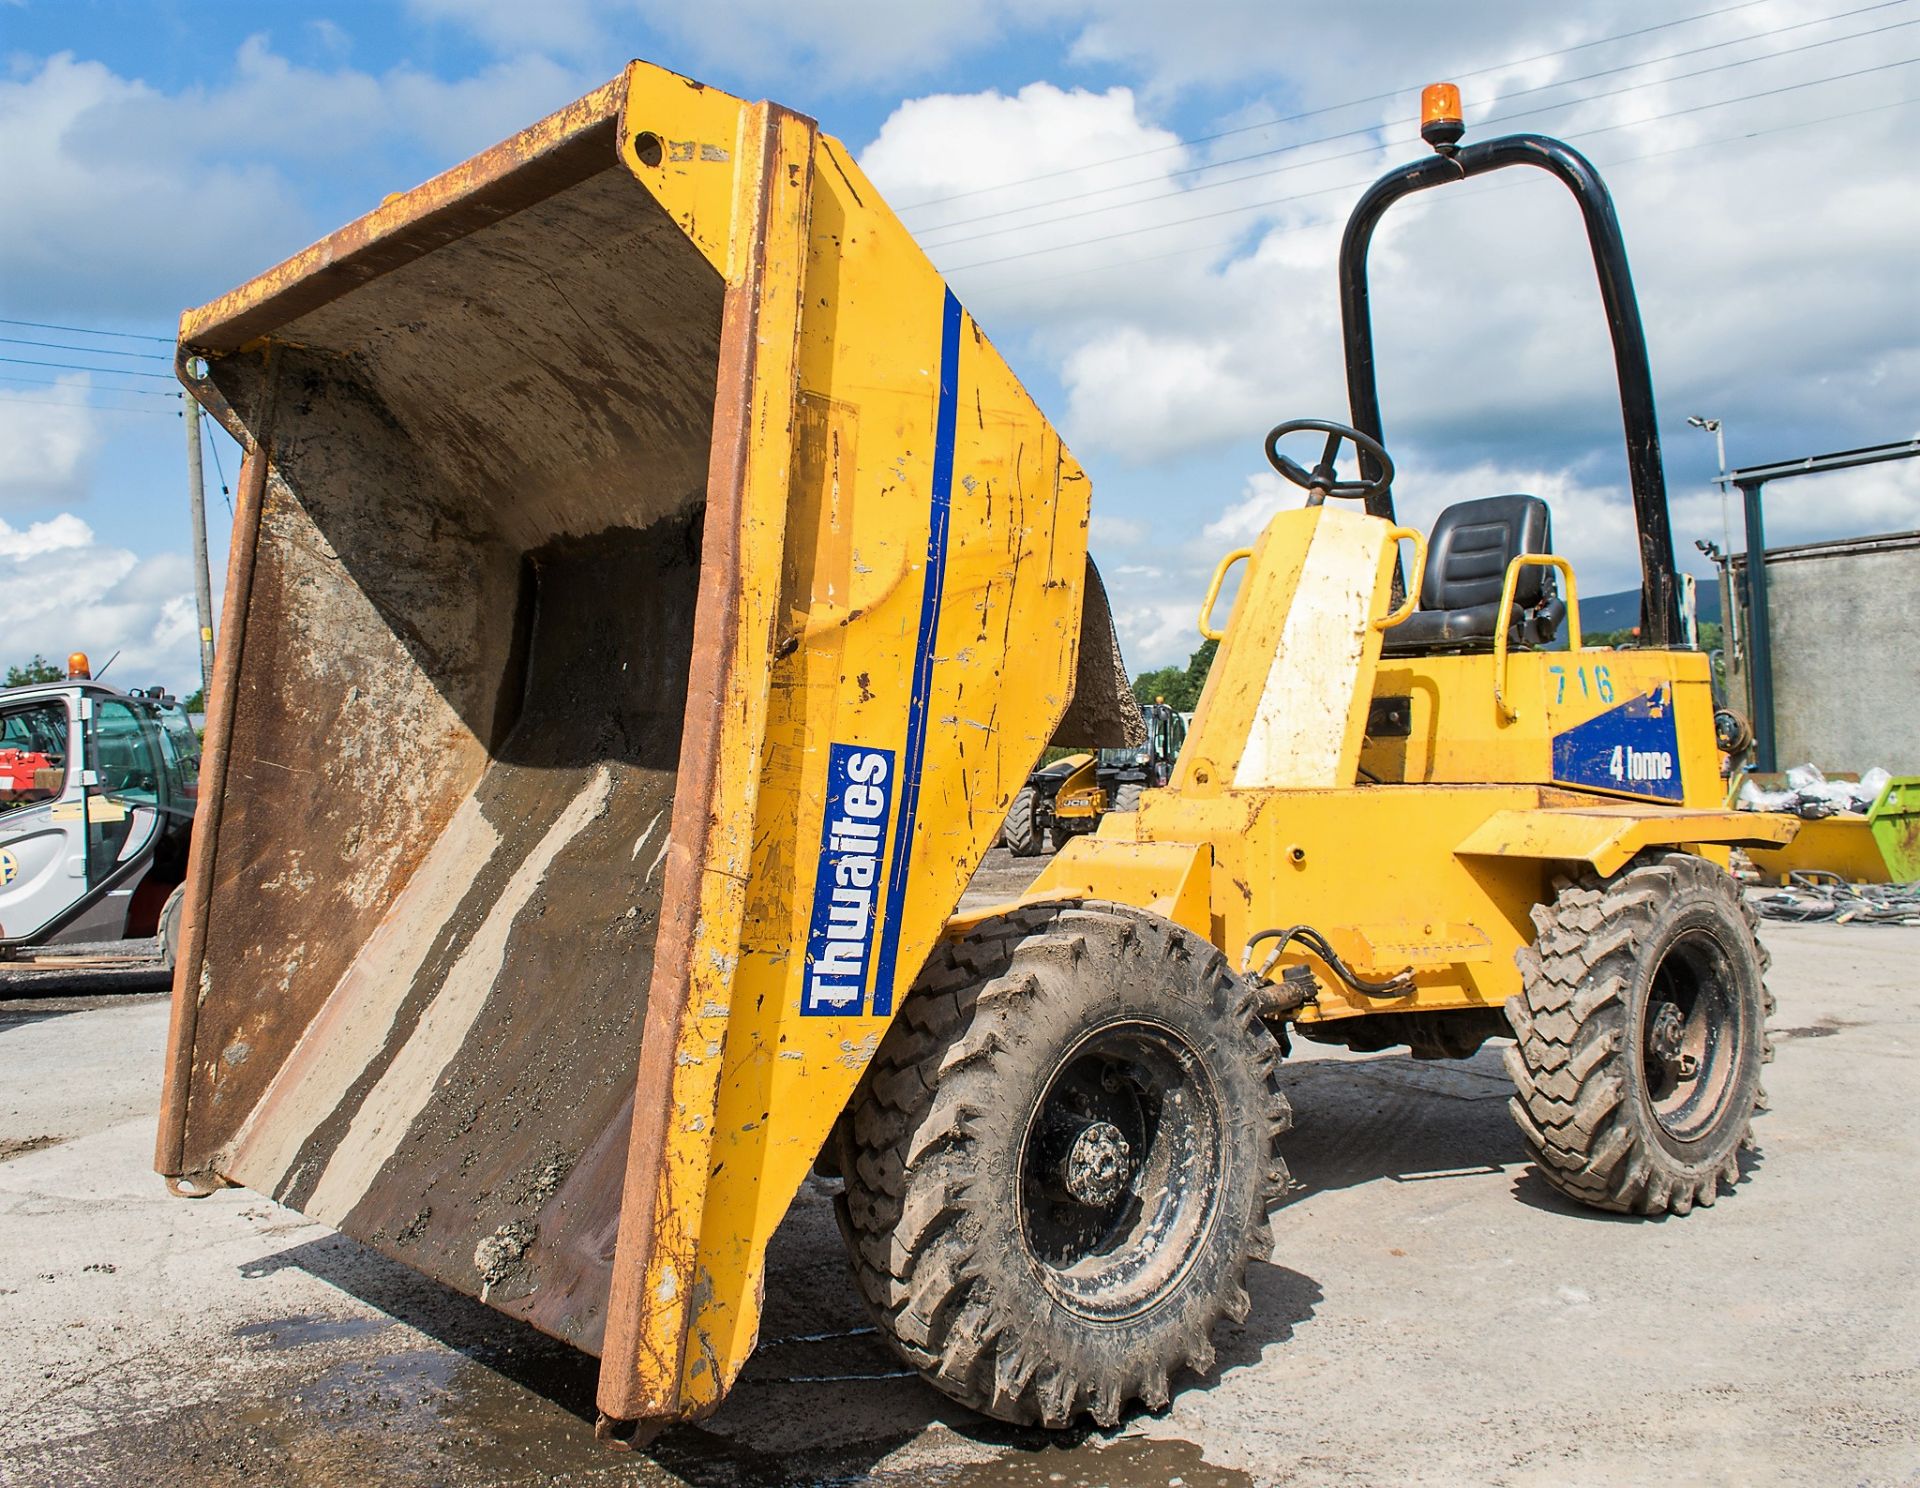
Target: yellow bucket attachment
x=648, y=590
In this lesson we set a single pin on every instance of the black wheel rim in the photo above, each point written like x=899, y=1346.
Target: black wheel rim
x=1692, y=1028
x=1120, y=1170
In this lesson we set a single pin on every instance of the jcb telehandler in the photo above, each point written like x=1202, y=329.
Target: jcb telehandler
x=1070, y=796
x=649, y=589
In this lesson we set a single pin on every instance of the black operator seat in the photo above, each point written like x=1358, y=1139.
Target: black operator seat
x=1467, y=558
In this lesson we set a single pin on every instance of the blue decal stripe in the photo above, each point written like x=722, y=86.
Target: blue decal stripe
x=914, y=756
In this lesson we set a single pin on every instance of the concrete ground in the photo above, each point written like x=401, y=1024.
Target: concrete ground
x=1431, y=1313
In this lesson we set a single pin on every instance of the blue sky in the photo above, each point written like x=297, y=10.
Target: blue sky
x=1160, y=270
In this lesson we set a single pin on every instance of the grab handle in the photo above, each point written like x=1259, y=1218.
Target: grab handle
x=1507, y=588
x=1213, y=593
x=1405, y=612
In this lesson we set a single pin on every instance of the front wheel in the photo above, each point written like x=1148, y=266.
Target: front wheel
x=1024, y=835
x=1640, y=1031
x=1060, y=1162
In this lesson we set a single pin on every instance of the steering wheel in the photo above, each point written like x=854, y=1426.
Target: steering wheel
x=1321, y=481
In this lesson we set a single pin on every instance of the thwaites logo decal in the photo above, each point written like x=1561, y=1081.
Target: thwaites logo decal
x=1632, y=749
x=846, y=896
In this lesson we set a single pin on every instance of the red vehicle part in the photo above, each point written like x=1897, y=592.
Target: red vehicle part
x=20, y=770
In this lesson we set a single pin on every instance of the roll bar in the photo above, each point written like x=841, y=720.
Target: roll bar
x=1659, y=593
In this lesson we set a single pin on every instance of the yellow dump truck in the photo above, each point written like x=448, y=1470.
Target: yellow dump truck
x=649, y=589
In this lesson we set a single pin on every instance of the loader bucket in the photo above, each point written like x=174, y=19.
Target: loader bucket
x=648, y=590
x=1880, y=845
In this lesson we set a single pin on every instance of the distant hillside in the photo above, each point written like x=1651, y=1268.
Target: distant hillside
x=1603, y=612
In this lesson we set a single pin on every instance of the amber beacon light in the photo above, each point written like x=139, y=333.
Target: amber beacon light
x=1440, y=122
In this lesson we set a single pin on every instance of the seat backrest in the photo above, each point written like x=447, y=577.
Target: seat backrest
x=1472, y=544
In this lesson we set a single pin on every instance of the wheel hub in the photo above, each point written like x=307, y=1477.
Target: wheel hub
x=1666, y=1039
x=1121, y=1167
x=1098, y=1165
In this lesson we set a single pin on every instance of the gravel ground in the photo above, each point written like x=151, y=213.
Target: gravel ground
x=1431, y=1313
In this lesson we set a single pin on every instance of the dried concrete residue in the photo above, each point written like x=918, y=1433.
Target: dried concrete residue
x=546, y=1180
x=496, y=1256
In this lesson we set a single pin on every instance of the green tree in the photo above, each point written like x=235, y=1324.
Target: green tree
x=1168, y=683
x=37, y=670
x=1198, y=665
x=1178, y=687
x=196, y=702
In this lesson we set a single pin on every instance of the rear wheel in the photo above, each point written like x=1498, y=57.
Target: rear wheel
x=1640, y=1031
x=1127, y=798
x=1060, y=1162
x=1023, y=834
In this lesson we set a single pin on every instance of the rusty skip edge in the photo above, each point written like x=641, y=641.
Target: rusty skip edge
x=559, y=151
x=635, y=1381
x=176, y=1078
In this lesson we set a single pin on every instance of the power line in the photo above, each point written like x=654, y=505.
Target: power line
x=76, y=367
x=151, y=356
x=42, y=382
x=9, y=400
x=41, y=325
x=1373, y=129
x=1203, y=139
x=1189, y=192
x=1284, y=200
x=219, y=469
x=1611, y=166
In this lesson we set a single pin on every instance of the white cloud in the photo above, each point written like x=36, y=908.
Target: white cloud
x=47, y=440
x=1261, y=499
x=970, y=146
x=57, y=534
x=63, y=590
x=1185, y=315
x=121, y=199
x=101, y=213
x=1813, y=508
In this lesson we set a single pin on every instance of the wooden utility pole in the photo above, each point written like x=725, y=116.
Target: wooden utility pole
x=202, y=580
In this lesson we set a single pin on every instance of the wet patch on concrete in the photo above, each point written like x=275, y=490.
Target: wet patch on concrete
x=421, y=1417
x=1129, y=1462
x=298, y=1332
x=414, y=1418
x=1825, y=1028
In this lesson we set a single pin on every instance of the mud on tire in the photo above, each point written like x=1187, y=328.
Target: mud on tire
x=1022, y=833
x=1640, y=1031
x=1060, y=1161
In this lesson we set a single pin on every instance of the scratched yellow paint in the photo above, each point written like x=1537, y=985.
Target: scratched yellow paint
x=840, y=468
